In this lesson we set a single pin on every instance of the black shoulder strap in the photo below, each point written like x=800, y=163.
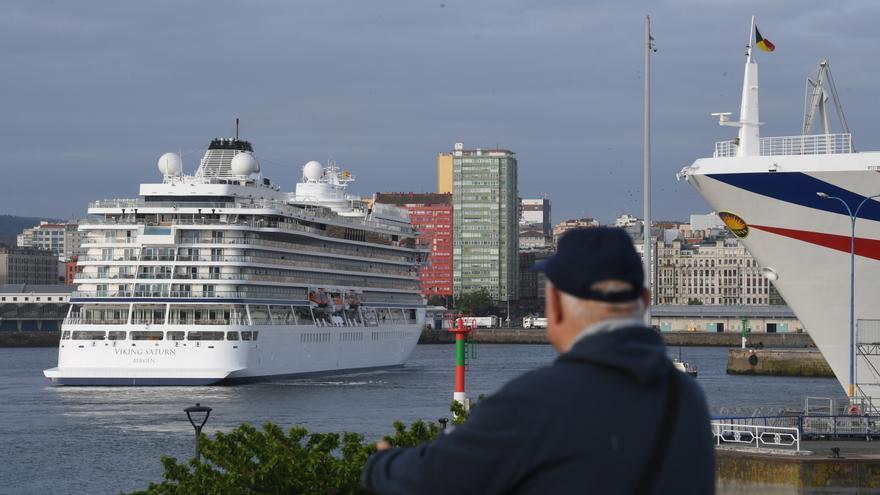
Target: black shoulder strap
x=667, y=425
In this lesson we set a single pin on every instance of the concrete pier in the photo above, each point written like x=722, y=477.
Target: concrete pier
x=29, y=339
x=778, y=362
x=673, y=339
x=857, y=470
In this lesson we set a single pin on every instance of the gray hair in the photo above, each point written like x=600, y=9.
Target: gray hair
x=586, y=309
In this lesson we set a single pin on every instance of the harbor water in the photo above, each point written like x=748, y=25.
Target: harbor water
x=107, y=440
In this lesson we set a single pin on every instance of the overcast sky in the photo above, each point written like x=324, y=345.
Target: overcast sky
x=94, y=92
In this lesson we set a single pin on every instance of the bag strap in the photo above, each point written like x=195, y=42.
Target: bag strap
x=667, y=426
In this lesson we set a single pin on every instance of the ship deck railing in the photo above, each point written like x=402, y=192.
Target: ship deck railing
x=407, y=283
x=252, y=223
x=191, y=294
x=305, y=212
x=293, y=264
x=371, y=253
x=812, y=144
x=370, y=256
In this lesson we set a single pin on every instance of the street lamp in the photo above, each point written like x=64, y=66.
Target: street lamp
x=853, y=216
x=197, y=410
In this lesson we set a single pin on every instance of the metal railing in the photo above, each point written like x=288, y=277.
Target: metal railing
x=768, y=437
x=813, y=144
x=814, y=426
x=307, y=213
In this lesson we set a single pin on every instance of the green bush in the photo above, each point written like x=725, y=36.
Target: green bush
x=251, y=461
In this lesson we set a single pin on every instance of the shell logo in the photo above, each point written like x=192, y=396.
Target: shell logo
x=737, y=225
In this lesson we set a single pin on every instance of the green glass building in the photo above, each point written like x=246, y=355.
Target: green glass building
x=485, y=206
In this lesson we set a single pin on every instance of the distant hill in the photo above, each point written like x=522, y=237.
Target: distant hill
x=11, y=226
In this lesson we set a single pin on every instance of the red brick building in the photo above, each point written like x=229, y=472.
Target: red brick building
x=70, y=270
x=431, y=215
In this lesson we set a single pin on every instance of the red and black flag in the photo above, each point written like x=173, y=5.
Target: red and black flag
x=763, y=44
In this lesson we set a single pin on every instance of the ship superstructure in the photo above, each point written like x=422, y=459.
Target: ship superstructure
x=789, y=200
x=220, y=276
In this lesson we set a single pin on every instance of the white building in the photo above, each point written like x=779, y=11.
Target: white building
x=708, y=221
x=536, y=212
x=578, y=223
x=63, y=239
x=626, y=220
x=722, y=272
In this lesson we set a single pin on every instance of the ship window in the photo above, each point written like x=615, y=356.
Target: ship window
x=260, y=315
x=175, y=335
x=146, y=335
x=303, y=316
x=115, y=335
x=204, y=336
x=65, y=335
x=231, y=335
x=246, y=335
x=83, y=335
x=281, y=315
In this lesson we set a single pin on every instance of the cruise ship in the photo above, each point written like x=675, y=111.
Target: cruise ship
x=221, y=277
x=797, y=202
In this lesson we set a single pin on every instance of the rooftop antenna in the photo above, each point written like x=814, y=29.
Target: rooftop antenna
x=236, y=128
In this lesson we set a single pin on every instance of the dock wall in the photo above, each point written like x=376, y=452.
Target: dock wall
x=773, y=362
x=740, y=472
x=29, y=339
x=702, y=339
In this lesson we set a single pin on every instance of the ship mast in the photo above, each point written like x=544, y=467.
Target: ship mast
x=749, y=140
x=749, y=133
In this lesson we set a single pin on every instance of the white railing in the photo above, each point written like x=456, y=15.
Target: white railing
x=759, y=436
x=814, y=144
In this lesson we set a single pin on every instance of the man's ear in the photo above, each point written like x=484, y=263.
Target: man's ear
x=646, y=297
x=554, y=305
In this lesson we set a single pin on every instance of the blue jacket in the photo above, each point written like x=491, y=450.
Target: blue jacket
x=585, y=424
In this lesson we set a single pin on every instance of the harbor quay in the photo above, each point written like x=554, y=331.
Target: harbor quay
x=828, y=467
x=674, y=339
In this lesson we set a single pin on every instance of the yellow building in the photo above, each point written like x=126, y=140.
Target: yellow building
x=444, y=173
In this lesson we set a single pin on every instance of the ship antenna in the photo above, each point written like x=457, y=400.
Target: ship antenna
x=236, y=128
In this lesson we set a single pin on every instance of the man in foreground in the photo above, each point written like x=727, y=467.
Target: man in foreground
x=610, y=415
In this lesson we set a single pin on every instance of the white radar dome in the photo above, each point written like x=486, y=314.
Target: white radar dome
x=170, y=164
x=244, y=163
x=312, y=170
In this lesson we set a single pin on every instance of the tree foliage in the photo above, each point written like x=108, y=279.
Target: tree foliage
x=478, y=303
x=253, y=461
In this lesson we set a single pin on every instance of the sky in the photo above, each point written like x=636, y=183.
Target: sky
x=94, y=92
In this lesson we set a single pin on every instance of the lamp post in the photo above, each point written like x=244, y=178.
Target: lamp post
x=197, y=410
x=853, y=216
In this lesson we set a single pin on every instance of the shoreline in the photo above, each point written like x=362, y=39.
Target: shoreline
x=513, y=336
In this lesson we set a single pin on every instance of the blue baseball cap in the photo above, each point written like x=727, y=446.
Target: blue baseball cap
x=595, y=254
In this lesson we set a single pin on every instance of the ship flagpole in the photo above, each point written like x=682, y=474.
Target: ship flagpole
x=646, y=186
x=749, y=132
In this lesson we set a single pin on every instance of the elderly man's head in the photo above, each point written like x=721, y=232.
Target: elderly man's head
x=595, y=275
x=568, y=315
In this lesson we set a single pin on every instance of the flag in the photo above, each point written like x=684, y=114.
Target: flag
x=762, y=43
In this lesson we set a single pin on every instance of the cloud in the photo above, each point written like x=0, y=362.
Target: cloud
x=98, y=90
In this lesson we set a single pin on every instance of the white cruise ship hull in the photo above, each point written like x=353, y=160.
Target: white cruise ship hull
x=805, y=240
x=280, y=351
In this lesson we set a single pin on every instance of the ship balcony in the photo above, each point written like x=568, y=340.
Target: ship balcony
x=813, y=144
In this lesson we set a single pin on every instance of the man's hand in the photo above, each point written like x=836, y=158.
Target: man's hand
x=382, y=445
